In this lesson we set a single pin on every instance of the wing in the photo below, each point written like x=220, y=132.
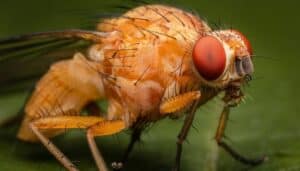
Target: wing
x=23, y=59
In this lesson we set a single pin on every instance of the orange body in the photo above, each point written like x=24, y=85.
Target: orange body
x=145, y=62
x=152, y=62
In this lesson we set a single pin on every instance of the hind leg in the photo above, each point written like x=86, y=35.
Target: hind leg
x=53, y=149
x=101, y=129
x=96, y=126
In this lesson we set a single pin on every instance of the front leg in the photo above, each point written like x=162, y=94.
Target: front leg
x=219, y=138
x=233, y=96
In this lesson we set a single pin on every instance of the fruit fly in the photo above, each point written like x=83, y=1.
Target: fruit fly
x=152, y=62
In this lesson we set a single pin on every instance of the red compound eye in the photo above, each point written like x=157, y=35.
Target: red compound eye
x=209, y=57
x=246, y=41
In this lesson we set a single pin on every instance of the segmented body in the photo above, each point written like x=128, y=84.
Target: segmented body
x=145, y=61
x=66, y=88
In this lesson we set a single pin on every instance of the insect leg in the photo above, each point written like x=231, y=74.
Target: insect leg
x=219, y=138
x=95, y=125
x=183, y=134
x=101, y=129
x=53, y=149
x=135, y=136
x=179, y=102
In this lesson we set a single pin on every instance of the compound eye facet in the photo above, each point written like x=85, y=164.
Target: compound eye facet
x=209, y=57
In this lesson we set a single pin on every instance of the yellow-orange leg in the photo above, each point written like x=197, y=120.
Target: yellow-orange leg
x=101, y=129
x=96, y=126
x=53, y=149
x=219, y=138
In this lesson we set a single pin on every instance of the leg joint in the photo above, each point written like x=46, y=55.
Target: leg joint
x=179, y=141
x=218, y=139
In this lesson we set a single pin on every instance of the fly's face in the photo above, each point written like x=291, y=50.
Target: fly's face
x=223, y=57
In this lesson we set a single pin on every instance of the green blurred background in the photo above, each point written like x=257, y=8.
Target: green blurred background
x=266, y=124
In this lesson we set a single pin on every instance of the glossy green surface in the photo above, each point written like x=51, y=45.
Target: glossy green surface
x=268, y=122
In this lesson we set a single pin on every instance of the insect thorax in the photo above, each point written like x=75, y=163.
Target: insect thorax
x=147, y=58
